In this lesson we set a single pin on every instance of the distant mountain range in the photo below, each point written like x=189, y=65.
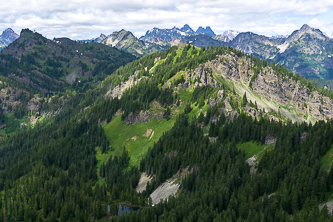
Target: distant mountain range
x=99, y=39
x=7, y=37
x=307, y=51
x=168, y=34
x=126, y=41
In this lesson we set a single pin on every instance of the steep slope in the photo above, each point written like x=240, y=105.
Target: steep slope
x=38, y=75
x=306, y=51
x=182, y=119
x=309, y=52
x=126, y=41
x=8, y=36
x=227, y=36
x=257, y=45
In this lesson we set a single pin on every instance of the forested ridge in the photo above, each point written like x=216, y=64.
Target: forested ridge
x=49, y=172
x=34, y=68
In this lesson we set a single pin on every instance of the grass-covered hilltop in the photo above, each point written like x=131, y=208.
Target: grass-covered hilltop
x=187, y=134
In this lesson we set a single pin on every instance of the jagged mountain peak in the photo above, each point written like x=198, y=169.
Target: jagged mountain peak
x=102, y=35
x=305, y=27
x=206, y=31
x=8, y=36
x=9, y=33
x=187, y=29
x=231, y=34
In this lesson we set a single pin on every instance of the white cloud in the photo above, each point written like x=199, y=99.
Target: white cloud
x=81, y=19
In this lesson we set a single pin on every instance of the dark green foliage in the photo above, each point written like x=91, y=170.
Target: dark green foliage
x=188, y=108
x=167, y=113
x=43, y=64
x=200, y=94
x=222, y=184
x=179, y=80
x=244, y=100
x=2, y=116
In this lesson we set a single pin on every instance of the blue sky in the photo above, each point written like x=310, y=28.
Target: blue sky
x=83, y=19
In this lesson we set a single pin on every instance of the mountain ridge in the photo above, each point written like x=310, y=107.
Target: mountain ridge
x=125, y=40
x=8, y=36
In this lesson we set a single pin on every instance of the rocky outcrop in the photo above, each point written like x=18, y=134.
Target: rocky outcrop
x=135, y=119
x=252, y=161
x=144, y=180
x=164, y=191
x=252, y=112
x=211, y=102
x=8, y=36
x=142, y=117
x=35, y=104
x=220, y=95
x=204, y=77
x=271, y=92
x=270, y=139
x=120, y=89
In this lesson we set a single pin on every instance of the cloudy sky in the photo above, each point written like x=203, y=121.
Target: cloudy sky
x=83, y=19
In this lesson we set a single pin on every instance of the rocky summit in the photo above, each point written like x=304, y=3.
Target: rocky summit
x=207, y=31
x=8, y=36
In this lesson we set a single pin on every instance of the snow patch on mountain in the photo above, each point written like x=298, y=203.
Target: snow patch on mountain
x=277, y=36
x=283, y=47
x=231, y=34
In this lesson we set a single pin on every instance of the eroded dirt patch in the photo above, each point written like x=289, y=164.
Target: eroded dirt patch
x=134, y=138
x=148, y=133
x=164, y=191
x=144, y=179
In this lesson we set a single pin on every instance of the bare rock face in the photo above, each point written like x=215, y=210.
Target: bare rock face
x=252, y=112
x=142, y=117
x=130, y=119
x=278, y=93
x=119, y=90
x=220, y=95
x=213, y=119
x=212, y=140
x=34, y=104
x=252, y=163
x=133, y=119
x=204, y=77
x=227, y=104
x=186, y=85
x=164, y=191
x=211, y=102
x=144, y=180
x=270, y=139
